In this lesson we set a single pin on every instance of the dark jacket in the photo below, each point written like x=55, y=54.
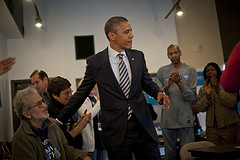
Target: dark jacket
x=54, y=108
x=114, y=104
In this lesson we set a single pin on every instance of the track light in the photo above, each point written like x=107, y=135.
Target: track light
x=178, y=9
x=38, y=22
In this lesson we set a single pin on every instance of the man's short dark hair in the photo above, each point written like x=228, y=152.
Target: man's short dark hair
x=56, y=85
x=112, y=24
x=173, y=45
x=40, y=73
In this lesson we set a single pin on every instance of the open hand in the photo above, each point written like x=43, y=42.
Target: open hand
x=207, y=87
x=165, y=99
x=6, y=64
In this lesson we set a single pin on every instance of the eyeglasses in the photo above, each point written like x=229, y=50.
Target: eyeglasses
x=67, y=92
x=171, y=53
x=39, y=104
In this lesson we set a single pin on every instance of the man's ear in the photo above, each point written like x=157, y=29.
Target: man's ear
x=45, y=79
x=111, y=35
x=26, y=114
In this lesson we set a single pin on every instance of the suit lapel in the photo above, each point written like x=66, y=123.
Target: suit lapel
x=134, y=69
x=108, y=69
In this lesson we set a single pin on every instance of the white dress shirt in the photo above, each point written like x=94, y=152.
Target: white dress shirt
x=114, y=62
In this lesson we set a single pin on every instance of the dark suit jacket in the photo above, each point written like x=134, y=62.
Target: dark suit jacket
x=114, y=105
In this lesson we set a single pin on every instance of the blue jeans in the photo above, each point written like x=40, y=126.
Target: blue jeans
x=99, y=154
x=170, y=136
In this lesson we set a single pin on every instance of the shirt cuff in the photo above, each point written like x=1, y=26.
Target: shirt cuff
x=59, y=121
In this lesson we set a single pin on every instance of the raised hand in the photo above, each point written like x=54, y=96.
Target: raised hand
x=170, y=82
x=6, y=64
x=207, y=87
x=214, y=82
x=175, y=76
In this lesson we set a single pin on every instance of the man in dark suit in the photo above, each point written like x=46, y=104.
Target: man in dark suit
x=123, y=133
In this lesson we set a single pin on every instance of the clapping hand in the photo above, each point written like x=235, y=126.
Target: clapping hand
x=207, y=87
x=214, y=82
x=175, y=77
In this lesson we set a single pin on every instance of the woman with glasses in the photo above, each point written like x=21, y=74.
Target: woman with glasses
x=59, y=91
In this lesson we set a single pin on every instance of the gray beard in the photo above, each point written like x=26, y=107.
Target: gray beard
x=36, y=119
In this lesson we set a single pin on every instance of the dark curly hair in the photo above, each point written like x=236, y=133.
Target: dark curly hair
x=56, y=85
x=219, y=72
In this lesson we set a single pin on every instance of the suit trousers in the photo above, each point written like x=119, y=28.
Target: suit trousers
x=136, y=141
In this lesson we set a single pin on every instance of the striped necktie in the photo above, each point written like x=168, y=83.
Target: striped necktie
x=124, y=81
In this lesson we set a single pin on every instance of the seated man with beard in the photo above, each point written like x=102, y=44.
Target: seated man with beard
x=37, y=137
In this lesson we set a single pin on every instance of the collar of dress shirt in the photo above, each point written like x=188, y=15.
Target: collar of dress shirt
x=113, y=54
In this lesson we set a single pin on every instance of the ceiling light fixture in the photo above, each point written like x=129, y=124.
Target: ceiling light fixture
x=38, y=20
x=178, y=9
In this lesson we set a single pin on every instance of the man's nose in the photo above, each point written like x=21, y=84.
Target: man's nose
x=174, y=55
x=44, y=105
x=131, y=35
